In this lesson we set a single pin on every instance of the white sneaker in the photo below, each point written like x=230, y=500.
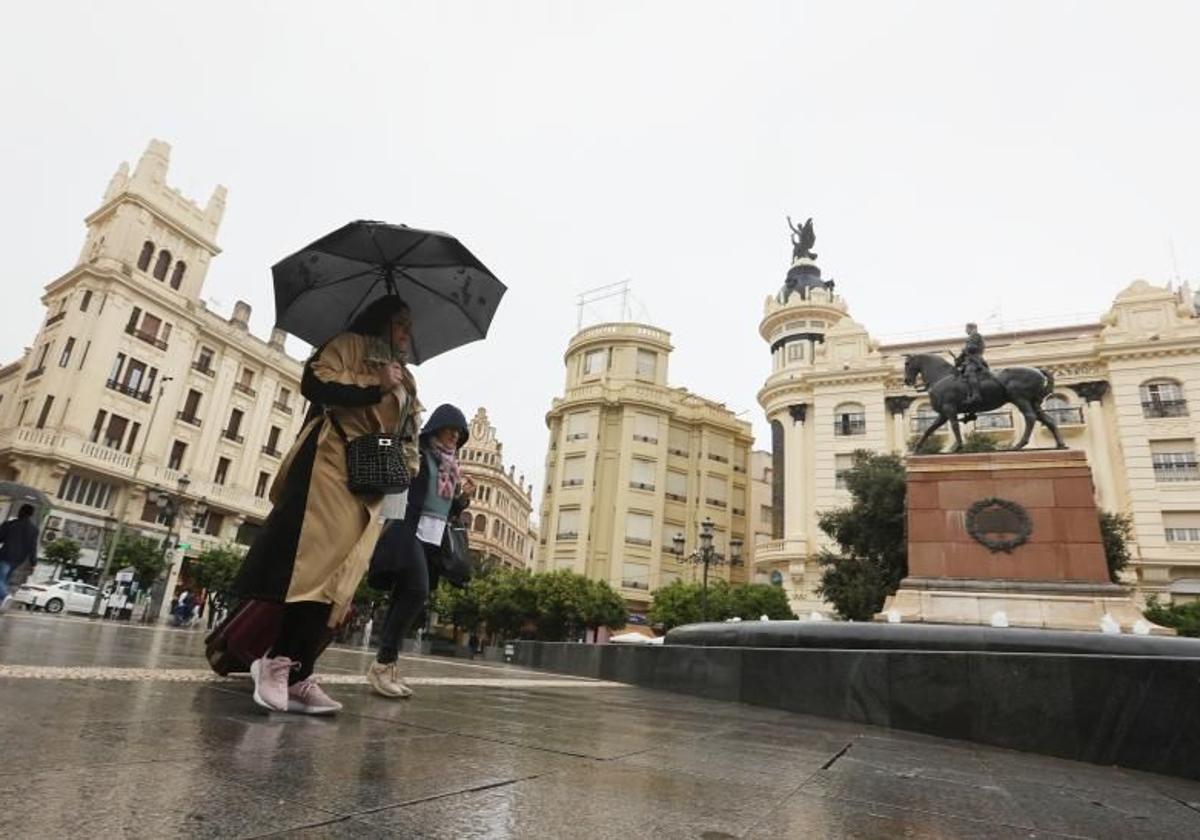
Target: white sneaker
x=385, y=680
x=270, y=677
x=306, y=697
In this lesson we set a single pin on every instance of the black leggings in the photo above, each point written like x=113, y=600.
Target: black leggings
x=302, y=635
x=416, y=578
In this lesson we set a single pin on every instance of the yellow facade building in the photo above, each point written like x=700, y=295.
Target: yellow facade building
x=128, y=355
x=500, y=509
x=1126, y=394
x=633, y=461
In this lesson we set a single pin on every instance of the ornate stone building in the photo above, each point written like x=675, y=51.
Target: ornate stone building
x=1124, y=391
x=500, y=527
x=633, y=461
x=129, y=361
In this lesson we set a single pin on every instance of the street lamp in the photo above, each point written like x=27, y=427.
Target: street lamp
x=171, y=508
x=707, y=556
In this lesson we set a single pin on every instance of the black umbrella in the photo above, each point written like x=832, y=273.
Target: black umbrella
x=321, y=288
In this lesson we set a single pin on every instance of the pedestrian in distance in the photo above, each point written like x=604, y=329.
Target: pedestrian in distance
x=20, y=539
x=314, y=547
x=411, y=544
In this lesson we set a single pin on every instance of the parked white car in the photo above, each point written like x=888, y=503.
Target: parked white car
x=55, y=596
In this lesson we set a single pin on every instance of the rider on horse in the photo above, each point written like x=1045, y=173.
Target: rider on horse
x=971, y=366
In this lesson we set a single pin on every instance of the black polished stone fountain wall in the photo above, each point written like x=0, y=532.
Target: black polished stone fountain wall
x=1130, y=701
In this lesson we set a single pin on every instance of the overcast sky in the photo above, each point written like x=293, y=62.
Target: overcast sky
x=962, y=160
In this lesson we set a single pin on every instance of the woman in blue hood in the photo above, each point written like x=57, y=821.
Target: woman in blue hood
x=409, y=551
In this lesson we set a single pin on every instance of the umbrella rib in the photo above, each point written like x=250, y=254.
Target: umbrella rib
x=355, y=309
x=435, y=292
x=345, y=279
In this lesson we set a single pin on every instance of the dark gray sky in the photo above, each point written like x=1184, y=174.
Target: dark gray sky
x=961, y=159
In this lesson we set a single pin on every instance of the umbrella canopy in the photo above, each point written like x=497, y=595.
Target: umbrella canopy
x=452, y=295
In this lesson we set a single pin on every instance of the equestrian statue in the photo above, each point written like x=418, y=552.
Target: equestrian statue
x=968, y=386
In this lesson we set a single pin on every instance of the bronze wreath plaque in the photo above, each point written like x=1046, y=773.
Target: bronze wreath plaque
x=998, y=524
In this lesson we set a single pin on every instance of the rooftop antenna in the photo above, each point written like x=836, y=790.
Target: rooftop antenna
x=599, y=293
x=1174, y=259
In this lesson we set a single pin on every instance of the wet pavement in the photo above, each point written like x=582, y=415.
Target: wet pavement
x=109, y=730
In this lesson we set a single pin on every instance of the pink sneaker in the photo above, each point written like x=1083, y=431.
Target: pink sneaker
x=270, y=677
x=307, y=698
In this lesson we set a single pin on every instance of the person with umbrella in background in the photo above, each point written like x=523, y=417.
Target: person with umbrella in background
x=372, y=298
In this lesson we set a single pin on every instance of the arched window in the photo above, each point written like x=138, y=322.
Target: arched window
x=177, y=274
x=480, y=524
x=162, y=264
x=923, y=417
x=849, y=419
x=1163, y=398
x=1060, y=410
x=145, y=256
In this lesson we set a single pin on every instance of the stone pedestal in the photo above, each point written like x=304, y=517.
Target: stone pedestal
x=1012, y=533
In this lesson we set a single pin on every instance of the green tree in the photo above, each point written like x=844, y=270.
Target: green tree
x=141, y=554
x=870, y=534
x=931, y=446
x=460, y=608
x=1185, y=618
x=976, y=441
x=507, y=601
x=603, y=607
x=63, y=551
x=559, y=597
x=215, y=569
x=675, y=604
x=1116, y=530
x=752, y=601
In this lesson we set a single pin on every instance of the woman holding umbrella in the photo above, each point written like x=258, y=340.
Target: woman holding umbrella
x=316, y=543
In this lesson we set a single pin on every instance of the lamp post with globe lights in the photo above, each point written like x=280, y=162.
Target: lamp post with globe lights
x=706, y=555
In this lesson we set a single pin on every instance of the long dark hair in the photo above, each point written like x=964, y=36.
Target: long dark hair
x=374, y=319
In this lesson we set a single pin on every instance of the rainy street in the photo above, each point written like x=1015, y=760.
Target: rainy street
x=123, y=729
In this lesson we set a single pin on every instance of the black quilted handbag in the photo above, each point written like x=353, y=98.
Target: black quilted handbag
x=374, y=462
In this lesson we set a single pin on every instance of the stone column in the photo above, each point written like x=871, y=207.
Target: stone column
x=1092, y=393
x=896, y=406
x=796, y=512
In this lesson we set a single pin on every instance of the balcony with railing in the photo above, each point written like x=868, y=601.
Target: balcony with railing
x=272, y=451
x=127, y=390
x=282, y=407
x=149, y=338
x=994, y=420
x=717, y=503
x=189, y=418
x=1156, y=408
x=243, y=388
x=232, y=436
x=201, y=367
x=641, y=485
x=55, y=318
x=1176, y=469
x=1065, y=416
x=848, y=425
x=35, y=373
x=920, y=422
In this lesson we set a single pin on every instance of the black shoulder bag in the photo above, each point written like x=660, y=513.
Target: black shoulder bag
x=455, y=561
x=374, y=462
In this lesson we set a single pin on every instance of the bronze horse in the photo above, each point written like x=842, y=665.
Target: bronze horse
x=1024, y=387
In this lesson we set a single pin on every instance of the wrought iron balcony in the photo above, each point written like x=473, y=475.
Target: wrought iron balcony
x=201, y=367
x=245, y=389
x=127, y=390
x=282, y=406
x=850, y=424
x=1164, y=408
x=191, y=419
x=56, y=317
x=149, y=338
x=1176, y=470
x=1066, y=416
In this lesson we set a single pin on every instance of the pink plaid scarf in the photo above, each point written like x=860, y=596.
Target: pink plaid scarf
x=447, y=459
